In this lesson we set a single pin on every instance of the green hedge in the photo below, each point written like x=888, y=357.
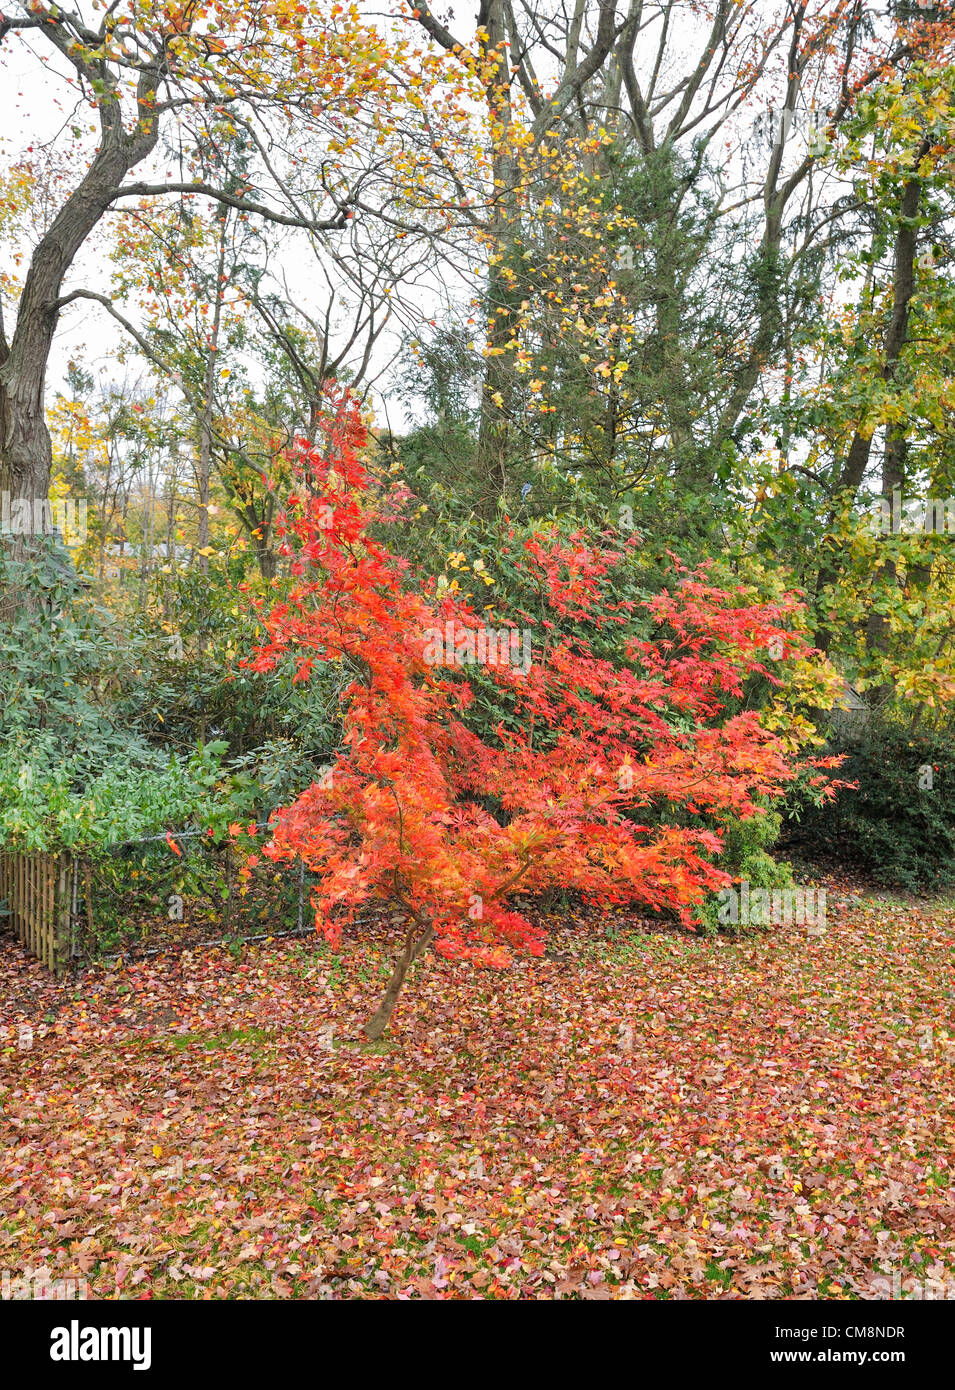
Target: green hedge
x=898, y=824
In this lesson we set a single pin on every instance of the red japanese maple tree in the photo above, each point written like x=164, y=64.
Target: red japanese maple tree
x=452, y=828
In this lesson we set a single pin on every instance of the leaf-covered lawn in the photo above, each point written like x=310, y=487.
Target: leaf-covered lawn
x=645, y=1115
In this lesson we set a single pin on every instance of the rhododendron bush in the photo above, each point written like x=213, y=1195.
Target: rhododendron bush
x=456, y=830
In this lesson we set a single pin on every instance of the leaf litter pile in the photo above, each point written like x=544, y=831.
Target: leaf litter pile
x=645, y=1114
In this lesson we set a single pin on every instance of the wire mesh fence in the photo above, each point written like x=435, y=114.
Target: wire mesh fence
x=159, y=893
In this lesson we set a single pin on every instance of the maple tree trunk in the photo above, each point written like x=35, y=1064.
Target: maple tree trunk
x=413, y=948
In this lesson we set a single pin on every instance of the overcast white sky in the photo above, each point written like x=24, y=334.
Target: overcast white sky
x=35, y=105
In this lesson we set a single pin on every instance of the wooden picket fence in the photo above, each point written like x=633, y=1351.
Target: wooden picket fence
x=39, y=891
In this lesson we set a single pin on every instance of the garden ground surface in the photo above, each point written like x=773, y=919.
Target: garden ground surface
x=644, y=1115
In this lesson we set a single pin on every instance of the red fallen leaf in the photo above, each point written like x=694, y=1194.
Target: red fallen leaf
x=294, y=1148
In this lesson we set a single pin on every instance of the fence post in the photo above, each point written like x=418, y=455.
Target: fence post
x=52, y=921
x=5, y=890
x=48, y=882
x=63, y=947
x=39, y=890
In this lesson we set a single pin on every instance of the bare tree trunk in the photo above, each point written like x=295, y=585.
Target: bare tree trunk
x=903, y=288
x=208, y=398
x=896, y=337
x=502, y=294
x=25, y=452
x=413, y=948
x=877, y=626
x=500, y=41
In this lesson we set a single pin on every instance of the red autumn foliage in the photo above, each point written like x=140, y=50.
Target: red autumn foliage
x=403, y=816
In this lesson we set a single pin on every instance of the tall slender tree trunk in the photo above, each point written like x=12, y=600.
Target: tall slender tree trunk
x=502, y=294
x=499, y=44
x=208, y=395
x=896, y=336
x=877, y=626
